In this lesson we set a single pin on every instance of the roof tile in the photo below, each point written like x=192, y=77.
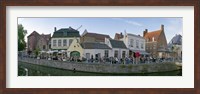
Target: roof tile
x=150, y=35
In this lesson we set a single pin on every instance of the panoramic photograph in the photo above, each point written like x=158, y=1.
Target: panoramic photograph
x=100, y=46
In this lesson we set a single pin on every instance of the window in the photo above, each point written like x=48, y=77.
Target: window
x=131, y=42
x=70, y=41
x=64, y=42
x=88, y=55
x=116, y=53
x=44, y=47
x=154, y=46
x=142, y=46
x=106, y=53
x=123, y=54
x=54, y=42
x=137, y=44
x=59, y=42
x=161, y=45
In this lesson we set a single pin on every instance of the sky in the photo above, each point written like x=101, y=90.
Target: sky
x=109, y=26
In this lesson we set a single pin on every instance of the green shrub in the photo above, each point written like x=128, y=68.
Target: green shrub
x=122, y=66
x=130, y=66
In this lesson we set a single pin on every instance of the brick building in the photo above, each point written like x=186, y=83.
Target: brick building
x=156, y=43
x=32, y=40
x=35, y=40
x=44, y=42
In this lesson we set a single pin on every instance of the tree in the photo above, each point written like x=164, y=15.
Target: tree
x=21, y=35
x=37, y=51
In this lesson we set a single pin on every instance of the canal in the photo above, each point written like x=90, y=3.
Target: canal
x=26, y=69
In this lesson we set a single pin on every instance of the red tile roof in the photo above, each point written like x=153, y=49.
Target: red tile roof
x=150, y=35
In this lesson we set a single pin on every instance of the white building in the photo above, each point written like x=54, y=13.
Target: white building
x=63, y=38
x=119, y=49
x=95, y=50
x=134, y=43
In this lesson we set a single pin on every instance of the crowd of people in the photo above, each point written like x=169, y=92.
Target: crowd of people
x=108, y=60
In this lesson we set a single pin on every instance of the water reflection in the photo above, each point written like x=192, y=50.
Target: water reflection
x=25, y=69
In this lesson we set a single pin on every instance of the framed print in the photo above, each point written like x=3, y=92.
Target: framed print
x=104, y=46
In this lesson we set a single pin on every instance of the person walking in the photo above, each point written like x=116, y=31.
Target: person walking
x=116, y=60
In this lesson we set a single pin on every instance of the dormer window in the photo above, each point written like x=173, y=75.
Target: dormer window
x=65, y=33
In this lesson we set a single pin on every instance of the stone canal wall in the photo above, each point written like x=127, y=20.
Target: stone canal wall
x=104, y=68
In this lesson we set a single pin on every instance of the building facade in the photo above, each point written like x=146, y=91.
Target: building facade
x=134, y=43
x=175, y=46
x=88, y=50
x=156, y=43
x=43, y=42
x=63, y=38
x=37, y=41
x=32, y=40
x=118, y=47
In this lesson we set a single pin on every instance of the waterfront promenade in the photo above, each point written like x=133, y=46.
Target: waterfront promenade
x=104, y=67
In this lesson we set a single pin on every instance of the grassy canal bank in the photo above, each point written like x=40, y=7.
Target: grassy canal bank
x=38, y=70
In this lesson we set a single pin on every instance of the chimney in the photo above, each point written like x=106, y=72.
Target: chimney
x=70, y=27
x=121, y=35
x=54, y=29
x=85, y=31
x=144, y=32
x=162, y=27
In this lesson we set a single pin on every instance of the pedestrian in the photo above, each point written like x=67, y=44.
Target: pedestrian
x=116, y=60
x=92, y=58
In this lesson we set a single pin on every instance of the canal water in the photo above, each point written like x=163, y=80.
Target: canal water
x=26, y=69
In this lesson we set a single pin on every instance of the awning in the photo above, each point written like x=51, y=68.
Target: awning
x=141, y=52
x=42, y=51
x=144, y=53
x=49, y=52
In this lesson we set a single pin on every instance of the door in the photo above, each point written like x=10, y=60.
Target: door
x=88, y=55
x=75, y=54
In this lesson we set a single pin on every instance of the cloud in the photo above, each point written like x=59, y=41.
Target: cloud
x=133, y=23
x=128, y=21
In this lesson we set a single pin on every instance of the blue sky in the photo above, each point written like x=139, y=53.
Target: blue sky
x=108, y=26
